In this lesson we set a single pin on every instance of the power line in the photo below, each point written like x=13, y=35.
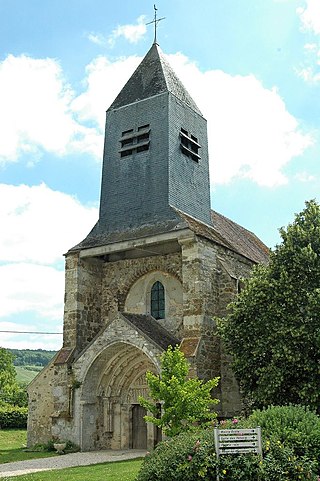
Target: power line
x=32, y=332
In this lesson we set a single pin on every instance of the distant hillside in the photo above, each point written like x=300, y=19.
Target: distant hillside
x=30, y=357
x=28, y=362
x=26, y=375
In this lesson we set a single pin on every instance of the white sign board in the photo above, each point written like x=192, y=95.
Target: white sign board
x=234, y=441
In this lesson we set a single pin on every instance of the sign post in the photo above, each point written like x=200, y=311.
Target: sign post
x=237, y=441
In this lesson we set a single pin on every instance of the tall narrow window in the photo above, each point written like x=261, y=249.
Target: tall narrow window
x=157, y=301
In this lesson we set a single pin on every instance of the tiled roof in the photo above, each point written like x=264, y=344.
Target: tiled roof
x=152, y=329
x=152, y=77
x=190, y=345
x=223, y=231
x=243, y=240
x=231, y=235
x=63, y=356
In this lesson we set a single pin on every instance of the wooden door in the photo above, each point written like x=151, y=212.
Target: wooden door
x=139, y=427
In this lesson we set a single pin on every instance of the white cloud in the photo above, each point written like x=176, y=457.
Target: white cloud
x=305, y=177
x=131, y=32
x=104, y=80
x=310, y=16
x=251, y=133
x=97, y=38
x=311, y=47
x=30, y=287
x=39, y=225
x=35, y=111
x=309, y=75
x=310, y=20
x=309, y=71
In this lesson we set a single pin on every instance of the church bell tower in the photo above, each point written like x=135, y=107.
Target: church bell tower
x=155, y=162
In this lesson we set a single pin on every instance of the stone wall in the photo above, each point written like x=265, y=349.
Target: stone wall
x=120, y=277
x=211, y=276
x=208, y=275
x=225, y=272
x=138, y=300
x=41, y=406
x=82, y=310
x=199, y=281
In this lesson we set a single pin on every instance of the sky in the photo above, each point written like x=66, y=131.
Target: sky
x=253, y=68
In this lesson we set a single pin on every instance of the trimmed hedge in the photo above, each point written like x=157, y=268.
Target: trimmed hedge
x=13, y=417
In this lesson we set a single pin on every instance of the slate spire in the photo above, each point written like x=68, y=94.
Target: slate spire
x=152, y=77
x=155, y=162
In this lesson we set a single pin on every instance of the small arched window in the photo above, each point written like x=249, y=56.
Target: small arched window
x=157, y=301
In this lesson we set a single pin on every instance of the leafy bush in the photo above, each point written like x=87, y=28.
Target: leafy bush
x=188, y=456
x=241, y=467
x=291, y=451
x=71, y=447
x=18, y=396
x=40, y=448
x=8, y=382
x=294, y=426
x=13, y=416
x=281, y=464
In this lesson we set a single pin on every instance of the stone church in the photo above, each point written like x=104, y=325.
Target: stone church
x=153, y=272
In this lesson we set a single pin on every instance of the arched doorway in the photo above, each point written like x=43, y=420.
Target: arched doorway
x=111, y=417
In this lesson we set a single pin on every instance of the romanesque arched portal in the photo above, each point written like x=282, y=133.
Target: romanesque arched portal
x=111, y=417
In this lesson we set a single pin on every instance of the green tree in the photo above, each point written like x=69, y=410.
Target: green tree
x=8, y=383
x=184, y=401
x=273, y=326
x=19, y=395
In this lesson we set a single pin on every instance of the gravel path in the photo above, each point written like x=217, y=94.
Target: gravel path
x=67, y=461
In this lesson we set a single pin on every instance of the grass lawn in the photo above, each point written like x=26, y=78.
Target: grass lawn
x=12, y=445
x=115, y=471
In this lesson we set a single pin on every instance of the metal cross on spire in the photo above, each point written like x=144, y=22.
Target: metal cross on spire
x=155, y=21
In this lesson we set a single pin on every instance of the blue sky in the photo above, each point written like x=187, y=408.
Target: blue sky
x=253, y=68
